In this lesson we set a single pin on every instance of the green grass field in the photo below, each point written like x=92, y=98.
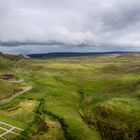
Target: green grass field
x=78, y=98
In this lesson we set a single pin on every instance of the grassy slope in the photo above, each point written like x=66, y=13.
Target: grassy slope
x=7, y=87
x=90, y=96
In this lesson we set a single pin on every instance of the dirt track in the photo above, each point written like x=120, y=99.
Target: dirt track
x=15, y=95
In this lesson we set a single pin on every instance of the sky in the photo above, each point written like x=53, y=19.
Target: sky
x=69, y=25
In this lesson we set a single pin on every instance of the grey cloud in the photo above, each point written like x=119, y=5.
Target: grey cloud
x=71, y=22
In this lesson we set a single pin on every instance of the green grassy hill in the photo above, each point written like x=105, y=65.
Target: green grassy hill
x=7, y=66
x=78, y=98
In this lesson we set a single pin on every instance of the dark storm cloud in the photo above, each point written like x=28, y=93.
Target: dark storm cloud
x=71, y=22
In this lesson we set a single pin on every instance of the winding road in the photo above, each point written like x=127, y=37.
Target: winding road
x=15, y=95
x=29, y=87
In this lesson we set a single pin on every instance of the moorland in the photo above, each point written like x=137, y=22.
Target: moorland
x=76, y=98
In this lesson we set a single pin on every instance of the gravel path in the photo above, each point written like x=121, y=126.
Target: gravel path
x=15, y=95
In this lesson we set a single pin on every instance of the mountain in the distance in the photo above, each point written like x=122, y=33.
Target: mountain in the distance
x=72, y=54
x=11, y=56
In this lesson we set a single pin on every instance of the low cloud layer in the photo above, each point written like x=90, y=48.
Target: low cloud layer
x=71, y=22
